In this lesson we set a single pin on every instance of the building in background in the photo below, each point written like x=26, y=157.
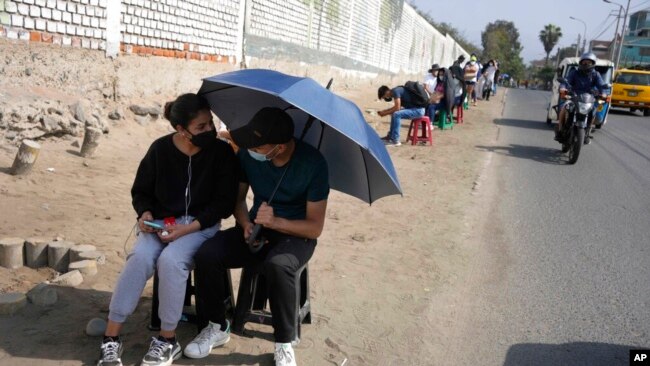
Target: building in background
x=636, y=42
x=602, y=49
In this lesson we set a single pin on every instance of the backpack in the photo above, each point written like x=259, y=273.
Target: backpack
x=420, y=98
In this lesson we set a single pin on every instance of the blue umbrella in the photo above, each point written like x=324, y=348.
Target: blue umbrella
x=359, y=164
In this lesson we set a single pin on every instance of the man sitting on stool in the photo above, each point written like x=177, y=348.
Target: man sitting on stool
x=291, y=224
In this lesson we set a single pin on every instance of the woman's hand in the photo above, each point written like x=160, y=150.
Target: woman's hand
x=146, y=216
x=174, y=232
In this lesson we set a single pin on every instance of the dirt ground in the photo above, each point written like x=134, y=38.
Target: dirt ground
x=380, y=276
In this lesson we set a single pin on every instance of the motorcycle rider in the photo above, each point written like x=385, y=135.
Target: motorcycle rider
x=583, y=80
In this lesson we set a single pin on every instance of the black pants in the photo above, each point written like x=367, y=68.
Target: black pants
x=281, y=257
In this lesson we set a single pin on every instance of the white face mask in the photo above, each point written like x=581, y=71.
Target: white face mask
x=261, y=157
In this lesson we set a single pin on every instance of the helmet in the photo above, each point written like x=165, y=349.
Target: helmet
x=587, y=56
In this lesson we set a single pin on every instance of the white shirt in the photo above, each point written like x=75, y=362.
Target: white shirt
x=430, y=83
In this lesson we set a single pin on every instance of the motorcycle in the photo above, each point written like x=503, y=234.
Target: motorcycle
x=580, y=110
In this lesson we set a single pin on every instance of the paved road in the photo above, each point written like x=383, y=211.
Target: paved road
x=568, y=278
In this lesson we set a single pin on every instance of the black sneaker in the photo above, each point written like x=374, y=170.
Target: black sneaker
x=587, y=140
x=110, y=354
x=161, y=353
x=386, y=138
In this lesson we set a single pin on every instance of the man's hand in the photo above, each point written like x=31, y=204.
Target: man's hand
x=381, y=113
x=265, y=216
x=146, y=216
x=248, y=229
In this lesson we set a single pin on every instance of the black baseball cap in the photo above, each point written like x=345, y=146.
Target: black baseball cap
x=269, y=125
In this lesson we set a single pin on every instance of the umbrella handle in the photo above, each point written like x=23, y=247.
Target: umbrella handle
x=252, y=239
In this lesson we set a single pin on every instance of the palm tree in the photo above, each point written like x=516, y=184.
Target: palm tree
x=549, y=36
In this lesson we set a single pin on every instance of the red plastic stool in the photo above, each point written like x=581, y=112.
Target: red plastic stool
x=459, y=114
x=427, y=133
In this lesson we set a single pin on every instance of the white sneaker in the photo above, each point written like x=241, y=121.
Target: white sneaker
x=284, y=355
x=211, y=336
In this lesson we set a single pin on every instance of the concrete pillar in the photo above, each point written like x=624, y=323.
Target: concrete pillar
x=113, y=28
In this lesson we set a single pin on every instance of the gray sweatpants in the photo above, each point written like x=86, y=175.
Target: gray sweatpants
x=173, y=262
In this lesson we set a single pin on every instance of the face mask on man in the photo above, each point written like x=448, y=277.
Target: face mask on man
x=204, y=139
x=261, y=157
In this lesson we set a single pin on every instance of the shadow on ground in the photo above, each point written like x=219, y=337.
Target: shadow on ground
x=57, y=333
x=536, y=153
x=577, y=353
x=536, y=125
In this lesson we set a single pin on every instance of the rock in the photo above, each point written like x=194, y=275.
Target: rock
x=28, y=72
x=42, y=295
x=142, y=120
x=80, y=110
x=115, y=115
x=95, y=255
x=75, y=144
x=78, y=249
x=11, y=252
x=155, y=110
x=70, y=279
x=11, y=302
x=52, y=110
x=49, y=123
x=139, y=110
x=58, y=255
x=96, y=327
x=358, y=237
x=97, y=122
x=36, y=252
x=86, y=267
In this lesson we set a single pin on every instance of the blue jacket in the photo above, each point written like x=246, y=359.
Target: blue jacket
x=585, y=83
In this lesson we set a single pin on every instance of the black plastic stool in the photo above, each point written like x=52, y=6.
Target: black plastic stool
x=229, y=301
x=252, y=298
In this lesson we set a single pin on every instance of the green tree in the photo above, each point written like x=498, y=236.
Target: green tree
x=549, y=36
x=500, y=41
x=546, y=74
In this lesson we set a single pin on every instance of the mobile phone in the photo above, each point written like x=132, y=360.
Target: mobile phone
x=154, y=225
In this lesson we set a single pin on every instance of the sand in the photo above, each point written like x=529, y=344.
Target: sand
x=379, y=277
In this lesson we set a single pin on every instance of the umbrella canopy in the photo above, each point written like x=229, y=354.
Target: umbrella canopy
x=359, y=164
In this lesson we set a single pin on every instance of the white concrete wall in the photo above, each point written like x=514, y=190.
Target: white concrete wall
x=347, y=29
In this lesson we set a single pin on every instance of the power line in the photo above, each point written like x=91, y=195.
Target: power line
x=605, y=30
x=599, y=26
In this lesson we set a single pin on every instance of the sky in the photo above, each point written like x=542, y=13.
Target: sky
x=471, y=16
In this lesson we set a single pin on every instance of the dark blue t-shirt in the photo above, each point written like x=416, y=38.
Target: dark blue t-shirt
x=406, y=99
x=307, y=179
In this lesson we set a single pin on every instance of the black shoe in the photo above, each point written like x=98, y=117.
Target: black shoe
x=587, y=140
x=110, y=354
x=161, y=353
x=386, y=138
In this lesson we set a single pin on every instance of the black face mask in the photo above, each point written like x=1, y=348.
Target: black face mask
x=204, y=139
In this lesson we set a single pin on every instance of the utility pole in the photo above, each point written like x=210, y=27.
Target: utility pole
x=620, y=44
x=613, y=45
x=578, y=45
